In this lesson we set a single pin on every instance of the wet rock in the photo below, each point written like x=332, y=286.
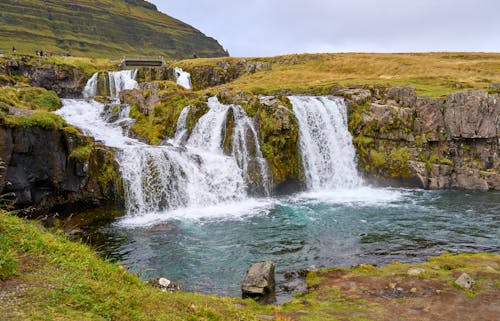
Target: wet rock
x=294, y=286
x=165, y=228
x=165, y=285
x=415, y=271
x=465, y=281
x=259, y=283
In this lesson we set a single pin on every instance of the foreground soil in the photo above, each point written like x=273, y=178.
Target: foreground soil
x=44, y=276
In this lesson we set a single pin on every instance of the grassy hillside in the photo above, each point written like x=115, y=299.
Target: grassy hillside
x=432, y=74
x=99, y=28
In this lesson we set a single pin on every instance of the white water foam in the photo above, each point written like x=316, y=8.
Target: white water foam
x=183, y=78
x=328, y=155
x=243, y=209
x=357, y=196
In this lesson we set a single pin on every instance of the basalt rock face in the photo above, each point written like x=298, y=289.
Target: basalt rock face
x=432, y=143
x=224, y=71
x=49, y=170
x=66, y=81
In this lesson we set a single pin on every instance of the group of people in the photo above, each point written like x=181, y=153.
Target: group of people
x=39, y=53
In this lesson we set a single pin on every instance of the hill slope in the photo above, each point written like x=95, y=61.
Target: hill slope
x=106, y=28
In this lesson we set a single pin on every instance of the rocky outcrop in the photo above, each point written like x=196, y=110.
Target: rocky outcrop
x=65, y=80
x=432, y=143
x=224, y=71
x=56, y=170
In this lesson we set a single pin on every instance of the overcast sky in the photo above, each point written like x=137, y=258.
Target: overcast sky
x=273, y=27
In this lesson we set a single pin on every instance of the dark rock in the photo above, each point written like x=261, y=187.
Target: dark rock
x=38, y=169
x=65, y=81
x=259, y=283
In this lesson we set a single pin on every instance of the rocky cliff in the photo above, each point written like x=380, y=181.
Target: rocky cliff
x=432, y=143
x=56, y=169
x=64, y=80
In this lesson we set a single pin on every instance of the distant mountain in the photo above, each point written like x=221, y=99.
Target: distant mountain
x=100, y=28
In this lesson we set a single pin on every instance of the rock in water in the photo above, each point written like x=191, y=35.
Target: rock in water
x=259, y=283
x=465, y=281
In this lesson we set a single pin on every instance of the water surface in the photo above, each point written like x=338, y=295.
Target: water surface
x=208, y=250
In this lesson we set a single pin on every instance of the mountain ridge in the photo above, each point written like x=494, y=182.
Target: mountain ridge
x=101, y=28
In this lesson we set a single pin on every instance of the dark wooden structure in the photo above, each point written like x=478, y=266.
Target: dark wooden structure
x=142, y=62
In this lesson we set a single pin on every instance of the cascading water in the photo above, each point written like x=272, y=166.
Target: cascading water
x=166, y=178
x=183, y=78
x=212, y=132
x=90, y=89
x=182, y=133
x=121, y=80
x=116, y=81
x=328, y=155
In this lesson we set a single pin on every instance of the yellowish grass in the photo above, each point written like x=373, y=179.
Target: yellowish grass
x=432, y=74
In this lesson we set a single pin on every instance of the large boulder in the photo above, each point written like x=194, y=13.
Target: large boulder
x=259, y=283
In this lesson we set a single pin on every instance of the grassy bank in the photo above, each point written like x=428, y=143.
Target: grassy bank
x=44, y=276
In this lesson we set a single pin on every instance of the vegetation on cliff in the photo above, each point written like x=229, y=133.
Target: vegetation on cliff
x=104, y=28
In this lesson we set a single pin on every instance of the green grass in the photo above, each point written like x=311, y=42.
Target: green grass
x=64, y=280
x=68, y=281
x=102, y=28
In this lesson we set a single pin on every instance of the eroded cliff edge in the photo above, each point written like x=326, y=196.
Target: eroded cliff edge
x=428, y=142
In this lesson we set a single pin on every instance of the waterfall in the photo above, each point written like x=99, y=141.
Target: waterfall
x=328, y=155
x=183, y=78
x=90, y=89
x=181, y=133
x=121, y=80
x=187, y=173
x=228, y=129
x=118, y=81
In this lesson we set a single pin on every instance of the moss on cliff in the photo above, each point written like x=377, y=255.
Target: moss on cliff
x=279, y=134
x=30, y=98
x=161, y=122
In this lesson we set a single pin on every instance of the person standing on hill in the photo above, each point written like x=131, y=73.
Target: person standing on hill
x=14, y=49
